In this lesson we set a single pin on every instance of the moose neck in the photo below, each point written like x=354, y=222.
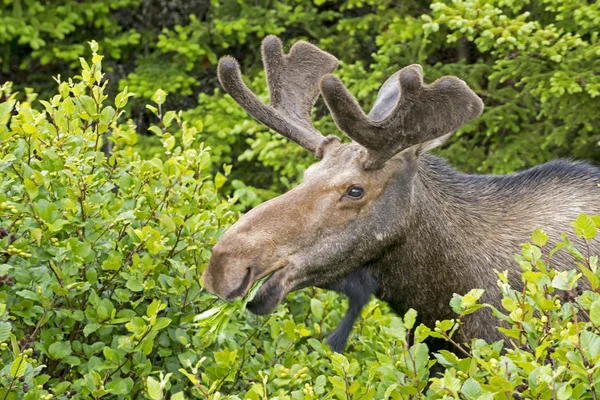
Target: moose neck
x=451, y=229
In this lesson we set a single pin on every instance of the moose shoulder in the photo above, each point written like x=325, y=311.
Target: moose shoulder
x=379, y=215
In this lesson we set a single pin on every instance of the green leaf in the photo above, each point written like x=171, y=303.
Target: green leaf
x=6, y=108
x=107, y=115
x=18, y=366
x=159, y=97
x=471, y=298
x=68, y=106
x=178, y=396
x=119, y=386
x=59, y=350
x=320, y=383
x=591, y=343
x=421, y=333
x=29, y=129
x=595, y=312
x=5, y=329
x=168, y=142
x=220, y=180
x=154, y=389
x=57, y=225
x=81, y=249
x=31, y=188
x=168, y=118
x=539, y=237
x=410, y=318
x=161, y=323
x=134, y=285
x=471, y=388
x=156, y=130
x=122, y=98
x=589, y=275
x=167, y=222
x=88, y=104
x=564, y=392
x=91, y=328
x=585, y=227
x=316, y=306
x=389, y=391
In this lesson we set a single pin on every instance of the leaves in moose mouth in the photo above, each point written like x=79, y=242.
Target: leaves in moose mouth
x=255, y=288
x=265, y=301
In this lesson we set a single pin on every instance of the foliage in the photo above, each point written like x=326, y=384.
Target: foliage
x=101, y=254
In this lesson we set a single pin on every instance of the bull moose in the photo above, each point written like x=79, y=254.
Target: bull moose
x=380, y=215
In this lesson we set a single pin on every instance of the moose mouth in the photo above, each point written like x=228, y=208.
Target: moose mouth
x=270, y=293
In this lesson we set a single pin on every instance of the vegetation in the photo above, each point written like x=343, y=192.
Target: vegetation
x=109, y=208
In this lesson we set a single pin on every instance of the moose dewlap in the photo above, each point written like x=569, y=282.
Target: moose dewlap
x=379, y=215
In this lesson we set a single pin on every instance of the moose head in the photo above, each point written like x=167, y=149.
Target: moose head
x=353, y=203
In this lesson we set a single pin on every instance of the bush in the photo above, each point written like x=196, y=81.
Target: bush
x=101, y=253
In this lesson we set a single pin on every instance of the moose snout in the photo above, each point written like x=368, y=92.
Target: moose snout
x=227, y=277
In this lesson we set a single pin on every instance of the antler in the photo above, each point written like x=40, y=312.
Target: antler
x=406, y=112
x=293, y=82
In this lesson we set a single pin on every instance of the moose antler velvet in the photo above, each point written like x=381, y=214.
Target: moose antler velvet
x=293, y=82
x=406, y=112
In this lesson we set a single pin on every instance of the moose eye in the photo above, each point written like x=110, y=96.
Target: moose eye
x=355, y=192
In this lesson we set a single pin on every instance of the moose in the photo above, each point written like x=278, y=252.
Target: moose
x=380, y=215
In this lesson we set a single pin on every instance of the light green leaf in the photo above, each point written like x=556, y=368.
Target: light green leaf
x=156, y=130
x=169, y=142
x=471, y=298
x=159, y=97
x=539, y=237
x=316, y=306
x=320, y=383
x=29, y=128
x=178, y=396
x=410, y=318
x=591, y=343
x=564, y=392
x=471, y=388
x=90, y=328
x=585, y=227
x=107, y=115
x=220, y=180
x=122, y=98
x=595, y=312
x=6, y=108
x=88, y=104
x=5, y=328
x=18, y=366
x=57, y=225
x=154, y=389
x=31, y=188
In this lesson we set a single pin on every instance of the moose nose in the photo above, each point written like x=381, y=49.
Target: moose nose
x=225, y=276
x=242, y=288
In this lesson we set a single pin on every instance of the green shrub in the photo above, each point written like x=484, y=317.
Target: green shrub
x=101, y=255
